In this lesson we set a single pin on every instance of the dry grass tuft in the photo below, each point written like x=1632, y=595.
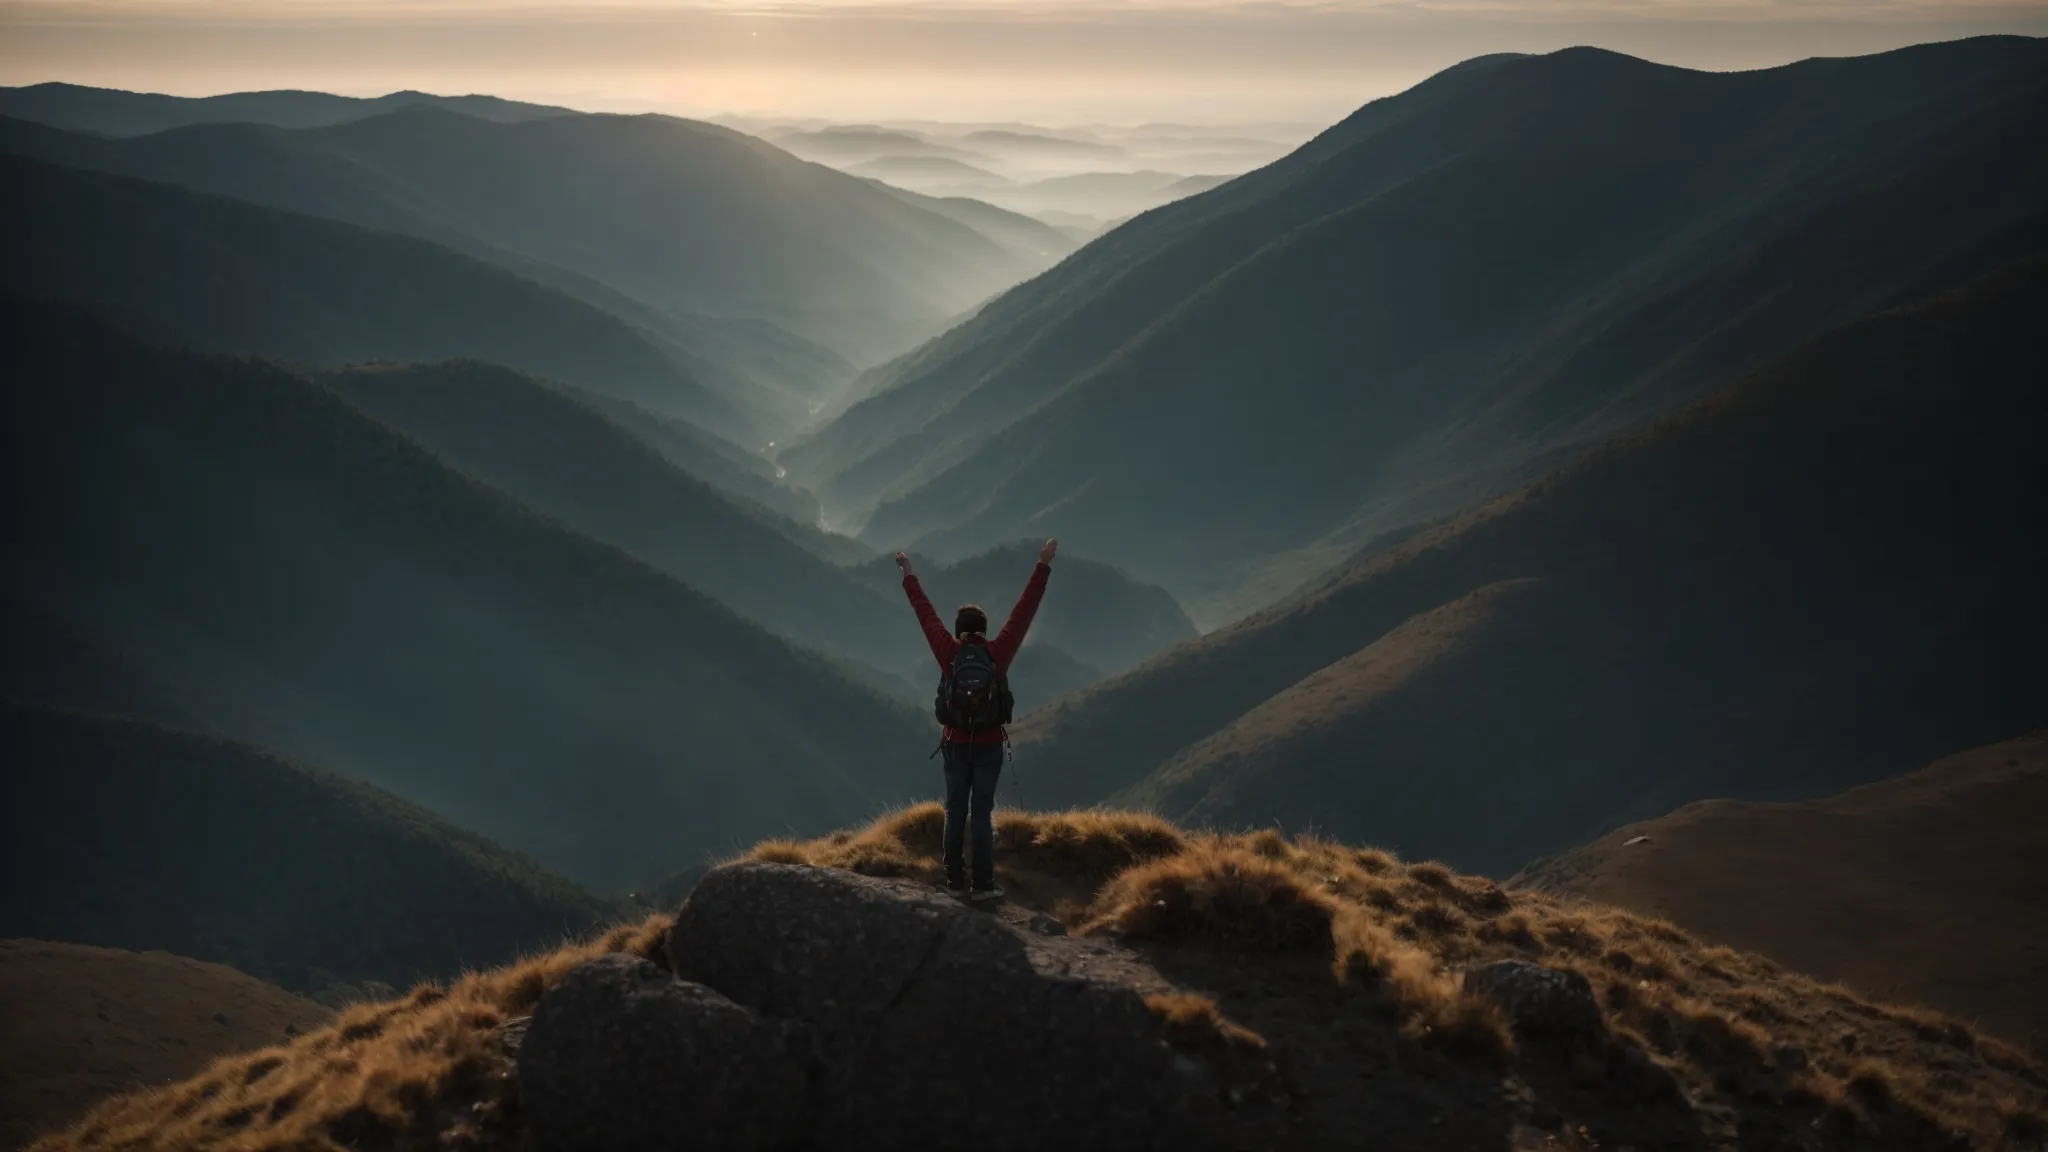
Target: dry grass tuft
x=1374, y=861
x=382, y=1073
x=1192, y=1023
x=1085, y=848
x=1081, y=848
x=1431, y=874
x=1405, y=983
x=1222, y=895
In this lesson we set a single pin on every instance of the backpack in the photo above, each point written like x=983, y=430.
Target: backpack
x=973, y=693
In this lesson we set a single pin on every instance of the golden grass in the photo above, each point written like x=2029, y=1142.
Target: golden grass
x=1192, y=1021
x=379, y=1072
x=1381, y=938
x=1219, y=894
x=1084, y=848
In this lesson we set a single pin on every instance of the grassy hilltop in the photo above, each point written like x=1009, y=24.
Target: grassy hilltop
x=1340, y=964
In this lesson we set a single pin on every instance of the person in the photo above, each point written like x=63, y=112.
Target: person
x=974, y=757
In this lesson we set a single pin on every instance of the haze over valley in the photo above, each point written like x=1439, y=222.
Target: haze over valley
x=460, y=675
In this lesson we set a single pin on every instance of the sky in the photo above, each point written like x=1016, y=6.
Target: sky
x=1055, y=62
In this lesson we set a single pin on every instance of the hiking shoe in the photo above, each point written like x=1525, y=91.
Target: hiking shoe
x=984, y=895
x=956, y=887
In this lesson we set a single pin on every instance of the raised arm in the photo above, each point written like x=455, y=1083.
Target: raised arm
x=935, y=633
x=1004, y=646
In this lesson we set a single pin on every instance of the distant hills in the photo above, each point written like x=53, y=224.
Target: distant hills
x=565, y=457
x=226, y=545
x=856, y=142
x=1445, y=295
x=929, y=168
x=562, y=455
x=227, y=275
x=1823, y=576
x=113, y=112
x=1014, y=229
x=672, y=223
x=1923, y=888
x=1038, y=143
x=1102, y=194
x=123, y=834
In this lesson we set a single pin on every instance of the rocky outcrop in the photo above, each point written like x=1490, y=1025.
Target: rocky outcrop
x=811, y=1007
x=938, y=1026
x=620, y=1055
x=1540, y=1001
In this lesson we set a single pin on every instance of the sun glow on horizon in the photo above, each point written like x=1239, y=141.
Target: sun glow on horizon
x=1047, y=61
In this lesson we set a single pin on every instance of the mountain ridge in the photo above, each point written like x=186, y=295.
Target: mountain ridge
x=319, y=291
x=118, y=112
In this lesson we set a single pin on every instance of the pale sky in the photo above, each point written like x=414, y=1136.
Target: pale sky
x=1053, y=62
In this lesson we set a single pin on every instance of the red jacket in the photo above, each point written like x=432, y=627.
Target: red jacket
x=1003, y=648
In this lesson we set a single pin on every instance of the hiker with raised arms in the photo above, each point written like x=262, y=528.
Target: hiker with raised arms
x=973, y=705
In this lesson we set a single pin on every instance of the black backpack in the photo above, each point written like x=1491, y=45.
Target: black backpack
x=973, y=693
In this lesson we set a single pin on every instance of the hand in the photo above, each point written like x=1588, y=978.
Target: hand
x=903, y=562
x=1051, y=549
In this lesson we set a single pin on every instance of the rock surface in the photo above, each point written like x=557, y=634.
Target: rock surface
x=938, y=1026
x=1540, y=1001
x=620, y=1055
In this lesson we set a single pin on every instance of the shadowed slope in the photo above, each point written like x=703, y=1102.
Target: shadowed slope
x=564, y=457
x=86, y=1023
x=1920, y=888
x=726, y=466
x=764, y=371
x=226, y=275
x=277, y=566
x=127, y=835
x=1432, y=301
x=1821, y=578
x=677, y=217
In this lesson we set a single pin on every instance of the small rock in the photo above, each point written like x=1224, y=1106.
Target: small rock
x=1635, y=840
x=220, y=1018
x=621, y=1056
x=1047, y=926
x=1539, y=1000
x=513, y=1034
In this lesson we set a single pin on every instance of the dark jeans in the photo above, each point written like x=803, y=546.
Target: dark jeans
x=971, y=771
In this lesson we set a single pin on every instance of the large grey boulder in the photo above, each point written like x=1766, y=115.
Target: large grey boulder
x=1540, y=1001
x=938, y=1026
x=620, y=1055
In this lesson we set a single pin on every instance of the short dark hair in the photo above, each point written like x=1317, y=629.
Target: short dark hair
x=970, y=618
